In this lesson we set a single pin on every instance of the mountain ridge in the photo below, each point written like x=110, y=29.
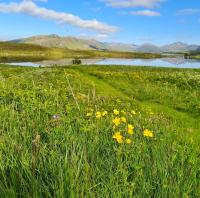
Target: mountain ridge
x=75, y=43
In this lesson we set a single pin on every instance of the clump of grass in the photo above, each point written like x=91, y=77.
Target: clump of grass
x=76, y=61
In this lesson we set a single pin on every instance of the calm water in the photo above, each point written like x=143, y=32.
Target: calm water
x=163, y=62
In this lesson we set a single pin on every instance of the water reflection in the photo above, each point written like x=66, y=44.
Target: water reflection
x=67, y=62
x=162, y=62
x=178, y=62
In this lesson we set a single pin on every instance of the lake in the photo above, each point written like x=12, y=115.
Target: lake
x=178, y=62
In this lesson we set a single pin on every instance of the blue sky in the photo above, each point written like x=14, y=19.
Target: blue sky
x=129, y=21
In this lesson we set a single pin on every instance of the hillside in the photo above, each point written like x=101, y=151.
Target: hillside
x=179, y=47
x=122, y=47
x=17, y=52
x=149, y=48
x=11, y=51
x=12, y=46
x=74, y=43
x=63, y=42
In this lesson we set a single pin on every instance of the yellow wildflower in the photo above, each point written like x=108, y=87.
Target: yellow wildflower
x=133, y=112
x=148, y=133
x=104, y=113
x=89, y=114
x=115, y=112
x=116, y=121
x=98, y=114
x=130, y=129
x=120, y=141
x=123, y=119
x=128, y=141
x=118, y=137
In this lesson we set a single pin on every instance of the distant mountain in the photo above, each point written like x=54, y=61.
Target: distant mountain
x=194, y=47
x=198, y=49
x=76, y=43
x=91, y=44
x=63, y=42
x=149, y=48
x=179, y=47
x=121, y=47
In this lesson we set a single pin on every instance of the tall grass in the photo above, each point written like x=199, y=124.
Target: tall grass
x=49, y=147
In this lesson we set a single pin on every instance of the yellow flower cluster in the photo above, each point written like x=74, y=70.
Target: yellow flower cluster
x=98, y=114
x=118, y=137
x=148, y=133
x=124, y=135
x=121, y=123
x=117, y=121
x=123, y=119
x=122, y=128
x=130, y=129
x=115, y=112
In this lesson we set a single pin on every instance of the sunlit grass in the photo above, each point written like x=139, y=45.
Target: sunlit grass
x=96, y=131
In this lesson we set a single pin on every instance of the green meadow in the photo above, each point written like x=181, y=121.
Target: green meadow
x=197, y=56
x=99, y=131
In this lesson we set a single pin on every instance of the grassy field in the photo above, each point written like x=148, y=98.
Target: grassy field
x=193, y=55
x=15, y=52
x=99, y=131
x=197, y=56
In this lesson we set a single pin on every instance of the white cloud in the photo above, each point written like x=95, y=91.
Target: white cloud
x=188, y=11
x=83, y=34
x=148, y=13
x=133, y=3
x=101, y=36
x=30, y=8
